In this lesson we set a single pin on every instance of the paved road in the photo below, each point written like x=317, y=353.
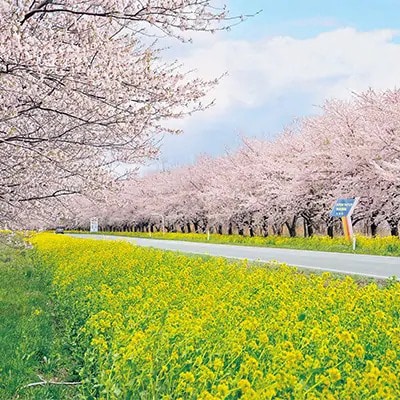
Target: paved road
x=353, y=264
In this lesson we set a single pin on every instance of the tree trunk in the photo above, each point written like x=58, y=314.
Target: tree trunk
x=277, y=229
x=230, y=231
x=330, y=231
x=310, y=229
x=374, y=229
x=291, y=227
x=264, y=227
x=394, y=227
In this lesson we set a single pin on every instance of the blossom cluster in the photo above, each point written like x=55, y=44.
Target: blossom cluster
x=152, y=324
x=83, y=89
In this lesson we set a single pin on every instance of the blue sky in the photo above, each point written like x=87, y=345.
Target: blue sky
x=282, y=64
x=308, y=17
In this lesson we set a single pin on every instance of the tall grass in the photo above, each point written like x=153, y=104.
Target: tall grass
x=30, y=342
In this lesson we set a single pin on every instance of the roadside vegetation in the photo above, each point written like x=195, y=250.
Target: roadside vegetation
x=383, y=246
x=150, y=324
x=32, y=346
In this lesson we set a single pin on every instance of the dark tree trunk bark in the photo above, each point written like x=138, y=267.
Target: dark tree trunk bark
x=374, y=229
x=291, y=227
x=394, y=227
x=264, y=227
x=230, y=230
x=251, y=231
x=277, y=229
x=394, y=231
x=330, y=231
x=310, y=229
x=219, y=229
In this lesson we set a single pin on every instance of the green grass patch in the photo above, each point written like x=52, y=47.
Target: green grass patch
x=383, y=246
x=31, y=343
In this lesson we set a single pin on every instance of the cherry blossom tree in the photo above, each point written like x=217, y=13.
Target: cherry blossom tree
x=84, y=89
x=350, y=149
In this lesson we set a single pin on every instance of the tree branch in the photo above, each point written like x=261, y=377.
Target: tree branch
x=44, y=382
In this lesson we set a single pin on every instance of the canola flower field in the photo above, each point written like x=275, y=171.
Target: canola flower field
x=148, y=324
x=380, y=245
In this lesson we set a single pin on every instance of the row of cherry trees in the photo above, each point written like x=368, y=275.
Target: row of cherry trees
x=351, y=149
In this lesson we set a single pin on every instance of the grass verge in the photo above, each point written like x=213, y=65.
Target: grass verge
x=30, y=341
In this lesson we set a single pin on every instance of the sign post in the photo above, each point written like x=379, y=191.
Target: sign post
x=343, y=209
x=94, y=225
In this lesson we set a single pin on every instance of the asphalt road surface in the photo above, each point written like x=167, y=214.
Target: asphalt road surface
x=351, y=264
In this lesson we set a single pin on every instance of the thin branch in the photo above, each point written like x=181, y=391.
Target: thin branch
x=56, y=194
x=44, y=382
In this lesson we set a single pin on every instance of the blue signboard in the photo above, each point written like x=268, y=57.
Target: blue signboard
x=343, y=207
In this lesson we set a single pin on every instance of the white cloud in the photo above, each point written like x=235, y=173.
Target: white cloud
x=330, y=64
x=273, y=73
